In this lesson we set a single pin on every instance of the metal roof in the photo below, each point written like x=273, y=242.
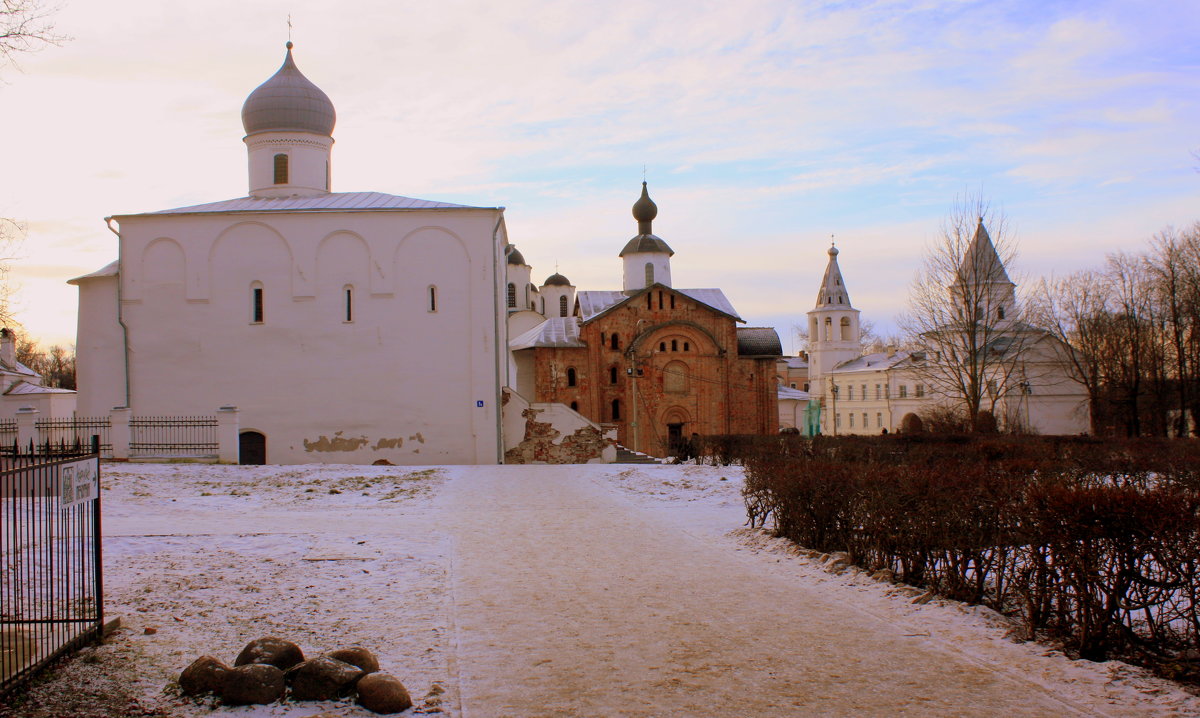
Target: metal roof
x=24, y=387
x=758, y=341
x=328, y=202
x=554, y=332
x=595, y=302
x=787, y=392
x=878, y=361
x=111, y=269
x=646, y=244
x=796, y=362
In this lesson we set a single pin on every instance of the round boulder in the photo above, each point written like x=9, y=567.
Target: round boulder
x=273, y=651
x=253, y=683
x=205, y=675
x=381, y=693
x=322, y=679
x=357, y=656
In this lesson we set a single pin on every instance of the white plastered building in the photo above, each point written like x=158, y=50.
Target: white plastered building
x=869, y=393
x=346, y=327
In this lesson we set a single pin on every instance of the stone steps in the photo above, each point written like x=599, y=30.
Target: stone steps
x=625, y=456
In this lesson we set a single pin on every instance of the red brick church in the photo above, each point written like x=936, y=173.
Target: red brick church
x=658, y=362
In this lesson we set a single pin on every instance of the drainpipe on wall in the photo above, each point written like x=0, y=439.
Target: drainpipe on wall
x=501, y=324
x=108, y=222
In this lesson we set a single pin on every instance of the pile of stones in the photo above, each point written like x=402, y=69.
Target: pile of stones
x=268, y=669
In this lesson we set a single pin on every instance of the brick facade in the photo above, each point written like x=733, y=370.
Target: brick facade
x=659, y=364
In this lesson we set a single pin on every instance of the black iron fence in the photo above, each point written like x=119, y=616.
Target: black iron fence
x=75, y=430
x=173, y=436
x=8, y=432
x=51, y=582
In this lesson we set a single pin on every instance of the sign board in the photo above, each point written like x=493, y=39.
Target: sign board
x=79, y=481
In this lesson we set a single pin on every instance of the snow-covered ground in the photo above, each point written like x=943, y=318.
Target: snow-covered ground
x=578, y=590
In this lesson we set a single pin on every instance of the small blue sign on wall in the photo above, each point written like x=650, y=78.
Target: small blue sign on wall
x=479, y=403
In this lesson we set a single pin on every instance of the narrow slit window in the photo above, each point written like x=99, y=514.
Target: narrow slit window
x=614, y=342
x=612, y=375
x=432, y=298
x=674, y=345
x=616, y=409
x=348, y=293
x=512, y=295
x=672, y=301
x=256, y=304
x=281, y=169
x=571, y=377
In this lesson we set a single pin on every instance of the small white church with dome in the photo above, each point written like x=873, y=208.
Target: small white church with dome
x=346, y=327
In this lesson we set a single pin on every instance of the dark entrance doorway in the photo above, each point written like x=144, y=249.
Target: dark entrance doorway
x=252, y=448
x=675, y=438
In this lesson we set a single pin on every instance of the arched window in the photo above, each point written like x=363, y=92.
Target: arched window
x=662, y=346
x=571, y=376
x=512, y=295
x=348, y=294
x=674, y=345
x=616, y=409
x=649, y=274
x=432, y=298
x=805, y=386
x=675, y=378
x=828, y=329
x=574, y=406
x=614, y=342
x=326, y=175
x=612, y=375
x=687, y=347
x=256, y=303
x=281, y=169
x=562, y=306
x=845, y=329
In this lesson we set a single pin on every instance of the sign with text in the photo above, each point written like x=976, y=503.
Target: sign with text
x=79, y=481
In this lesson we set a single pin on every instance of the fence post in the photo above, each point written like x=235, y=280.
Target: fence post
x=118, y=432
x=27, y=432
x=227, y=435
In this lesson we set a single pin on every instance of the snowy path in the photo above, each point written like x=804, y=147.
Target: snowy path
x=572, y=600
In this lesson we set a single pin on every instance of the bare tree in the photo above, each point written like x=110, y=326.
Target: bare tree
x=964, y=314
x=26, y=26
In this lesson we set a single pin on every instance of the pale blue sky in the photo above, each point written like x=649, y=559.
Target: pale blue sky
x=764, y=128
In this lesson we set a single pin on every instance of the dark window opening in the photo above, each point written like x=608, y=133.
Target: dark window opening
x=616, y=409
x=687, y=347
x=660, y=301
x=612, y=375
x=674, y=345
x=574, y=406
x=512, y=295
x=562, y=306
x=432, y=298
x=257, y=301
x=349, y=304
x=571, y=376
x=662, y=346
x=281, y=169
x=672, y=301
x=615, y=344
x=649, y=300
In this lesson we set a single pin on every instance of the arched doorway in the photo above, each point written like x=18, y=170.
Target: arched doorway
x=252, y=448
x=676, y=420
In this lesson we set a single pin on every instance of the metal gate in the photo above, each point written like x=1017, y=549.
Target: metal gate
x=51, y=583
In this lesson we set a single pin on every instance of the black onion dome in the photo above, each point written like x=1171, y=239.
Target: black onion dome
x=288, y=102
x=556, y=280
x=644, y=210
x=515, y=257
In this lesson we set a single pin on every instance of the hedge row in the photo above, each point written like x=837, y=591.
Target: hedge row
x=1095, y=543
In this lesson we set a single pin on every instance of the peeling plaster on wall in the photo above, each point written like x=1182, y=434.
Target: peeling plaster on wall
x=586, y=444
x=388, y=444
x=337, y=443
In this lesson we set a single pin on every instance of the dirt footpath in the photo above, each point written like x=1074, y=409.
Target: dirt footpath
x=570, y=600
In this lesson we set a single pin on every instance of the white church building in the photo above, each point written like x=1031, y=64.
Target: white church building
x=346, y=327
x=873, y=393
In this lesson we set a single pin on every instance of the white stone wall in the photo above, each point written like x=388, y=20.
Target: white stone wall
x=401, y=380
